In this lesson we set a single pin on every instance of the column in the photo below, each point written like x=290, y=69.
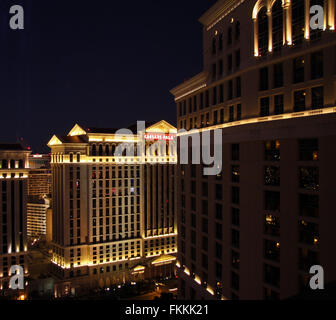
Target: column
x=307, y=20
x=288, y=13
x=331, y=14
x=270, y=31
x=256, y=43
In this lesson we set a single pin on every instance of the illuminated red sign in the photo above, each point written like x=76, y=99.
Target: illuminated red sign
x=158, y=136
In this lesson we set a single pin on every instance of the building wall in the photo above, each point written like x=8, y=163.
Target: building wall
x=236, y=257
x=13, y=232
x=111, y=214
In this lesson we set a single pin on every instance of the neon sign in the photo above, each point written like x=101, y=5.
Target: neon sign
x=157, y=136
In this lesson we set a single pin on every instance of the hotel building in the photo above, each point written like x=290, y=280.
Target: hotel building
x=114, y=210
x=13, y=190
x=269, y=83
x=39, y=192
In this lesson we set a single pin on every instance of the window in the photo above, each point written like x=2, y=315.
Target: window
x=231, y=114
x=317, y=98
x=214, y=71
x=309, y=178
x=308, y=258
x=214, y=46
x=215, y=117
x=235, y=281
x=277, y=25
x=214, y=96
x=299, y=100
x=229, y=63
x=230, y=90
x=263, y=31
x=272, y=250
x=237, y=54
x=219, y=251
x=272, y=201
x=239, y=112
x=235, y=217
x=269, y=294
x=272, y=275
x=272, y=176
x=238, y=87
x=308, y=205
x=298, y=21
x=278, y=75
x=221, y=119
x=235, y=152
x=263, y=79
x=298, y=69
x=220, y=42
x=229, y=36
x=279, y=104
x=219, y=192
x=201, y=100
x=272, y=225
x=237, y=30
x=219, y=231
x=235, y=259
x=308, y=233
x=220, y=67
x=316, y=65
x=235, y=238
x=207, y=98
x=235, y=174
x=308, y=149
x=264, y=107
x=219, y=211
x=235, y=195
x=221, y=93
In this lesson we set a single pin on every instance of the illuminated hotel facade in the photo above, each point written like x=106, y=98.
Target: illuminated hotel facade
x=269, y=83
x=39, y=193
x=13, y=190
x=114, y=213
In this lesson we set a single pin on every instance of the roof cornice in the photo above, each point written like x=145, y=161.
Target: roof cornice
x=218, y=11
x=194, y=84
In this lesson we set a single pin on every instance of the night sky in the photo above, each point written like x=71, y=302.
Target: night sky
x=99, y=63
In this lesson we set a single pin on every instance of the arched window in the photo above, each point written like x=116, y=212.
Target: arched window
x=71, y=157
x=277, y=25
x=100, y=150
x=12, y=164
x=78, y=157
x=263, y=31
x=298, y=21
x=4, y=164
x=21, y=166
x=113, y=149
x=107, y=150
x=94, y=150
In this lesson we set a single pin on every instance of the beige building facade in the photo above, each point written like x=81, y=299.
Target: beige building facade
x=114, y=209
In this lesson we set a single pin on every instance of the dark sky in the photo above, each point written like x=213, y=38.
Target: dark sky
x=101, y=63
